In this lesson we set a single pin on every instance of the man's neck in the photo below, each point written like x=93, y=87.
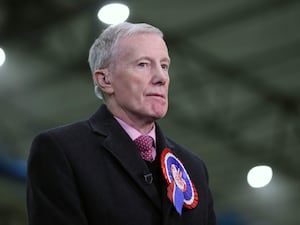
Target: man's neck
x=142, y=125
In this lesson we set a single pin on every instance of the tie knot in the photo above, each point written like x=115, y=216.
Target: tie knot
x=145, y=145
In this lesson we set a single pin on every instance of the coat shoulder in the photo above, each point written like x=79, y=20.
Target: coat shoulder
x=190, y=159
x=68, y=132
x=67, y=138
x=182, y=151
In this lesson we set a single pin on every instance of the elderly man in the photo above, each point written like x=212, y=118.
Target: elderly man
x=118, y=167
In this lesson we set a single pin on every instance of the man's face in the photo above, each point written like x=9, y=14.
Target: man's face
x=140, y=79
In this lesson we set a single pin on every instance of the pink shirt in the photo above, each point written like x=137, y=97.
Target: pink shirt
x=134, y=134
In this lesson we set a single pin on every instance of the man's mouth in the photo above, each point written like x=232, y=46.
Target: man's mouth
x=156, y=95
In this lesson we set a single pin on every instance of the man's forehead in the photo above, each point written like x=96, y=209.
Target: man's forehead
x=129, y=45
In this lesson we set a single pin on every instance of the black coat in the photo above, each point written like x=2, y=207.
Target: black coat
x=90, y=173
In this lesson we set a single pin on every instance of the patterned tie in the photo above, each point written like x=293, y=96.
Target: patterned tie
x=145, y=144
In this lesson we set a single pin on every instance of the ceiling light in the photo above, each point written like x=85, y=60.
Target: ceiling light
x=259, y=176
x=2, y=56
x=113, y=13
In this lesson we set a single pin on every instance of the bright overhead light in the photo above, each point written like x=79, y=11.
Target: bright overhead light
x=259, y=176
x=113, y=13
x=2, y=56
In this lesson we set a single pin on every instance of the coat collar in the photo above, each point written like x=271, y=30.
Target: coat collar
x=102, y=121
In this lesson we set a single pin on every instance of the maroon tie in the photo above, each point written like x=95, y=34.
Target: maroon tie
x=145, y=144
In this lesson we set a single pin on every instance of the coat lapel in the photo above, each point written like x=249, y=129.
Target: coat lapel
x=124, y=151
x=163, y=143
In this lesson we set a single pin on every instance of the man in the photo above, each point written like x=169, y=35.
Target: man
x=92, y=172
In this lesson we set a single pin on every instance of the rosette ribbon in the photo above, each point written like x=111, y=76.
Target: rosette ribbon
x=181, y=190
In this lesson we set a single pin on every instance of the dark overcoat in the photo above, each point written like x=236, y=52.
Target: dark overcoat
x=90, y=173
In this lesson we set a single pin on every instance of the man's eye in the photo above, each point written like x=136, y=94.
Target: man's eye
x=165, y=66
x=142, y=64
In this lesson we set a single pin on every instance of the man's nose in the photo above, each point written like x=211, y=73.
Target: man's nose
x=160, y=75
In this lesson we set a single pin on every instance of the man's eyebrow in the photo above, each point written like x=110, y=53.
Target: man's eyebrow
x=166, y=59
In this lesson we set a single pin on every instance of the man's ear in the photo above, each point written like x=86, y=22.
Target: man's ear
x=103, y=80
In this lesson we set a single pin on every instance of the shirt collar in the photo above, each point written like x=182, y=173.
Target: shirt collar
x=133, y=133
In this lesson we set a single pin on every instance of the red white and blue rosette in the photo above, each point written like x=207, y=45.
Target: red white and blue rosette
x=181, y=190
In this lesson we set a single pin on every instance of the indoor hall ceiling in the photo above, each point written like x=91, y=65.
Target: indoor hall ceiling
x=234, y=94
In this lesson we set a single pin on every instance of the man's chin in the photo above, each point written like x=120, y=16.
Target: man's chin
x=159, y=115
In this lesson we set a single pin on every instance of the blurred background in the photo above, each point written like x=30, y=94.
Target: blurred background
x=234, y=94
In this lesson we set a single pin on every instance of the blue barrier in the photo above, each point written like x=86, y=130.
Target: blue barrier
x=13, y=168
